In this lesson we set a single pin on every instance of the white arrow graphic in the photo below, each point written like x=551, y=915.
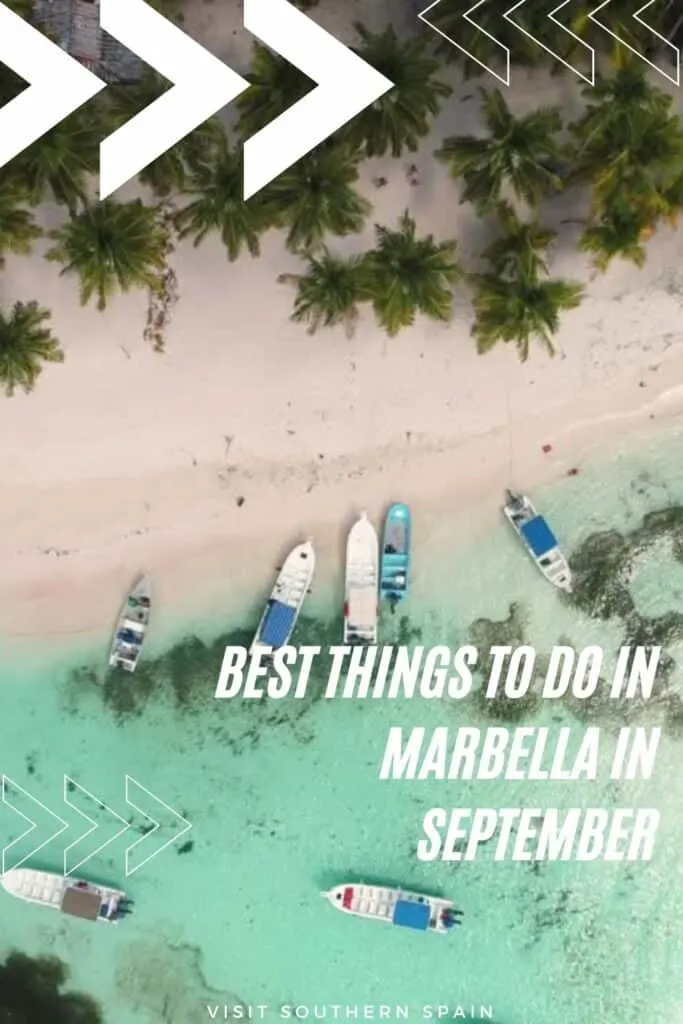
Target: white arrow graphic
x=590, y=77
x=93, y=824
x=505, y=79
x=676, y=77
x=203, y=85
x=346, y=85
x=32, y=826
x=131, y=786
x=58, y=85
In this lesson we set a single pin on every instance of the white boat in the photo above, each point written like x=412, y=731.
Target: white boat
x=71, y=896
x=362, y=583
x=286, y=600
x=395, y=906
x=131, y=627
x=539, y=540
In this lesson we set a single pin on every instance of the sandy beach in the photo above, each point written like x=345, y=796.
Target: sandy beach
x=203, y=464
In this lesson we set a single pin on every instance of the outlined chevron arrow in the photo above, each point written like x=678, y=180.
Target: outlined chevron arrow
x=58, y=85
x=132, y=788
x=202, y=85
x=590, y=76
x=8, y=784
x=345, y=85
x=676, y=77
x=466, y=17
x=93, y=824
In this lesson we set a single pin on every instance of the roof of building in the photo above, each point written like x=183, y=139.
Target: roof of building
x=76, y=26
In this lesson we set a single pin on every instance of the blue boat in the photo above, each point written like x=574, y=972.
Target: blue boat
x=395, y=559
x=539, y=540
x=396, y=906
x=282, y=610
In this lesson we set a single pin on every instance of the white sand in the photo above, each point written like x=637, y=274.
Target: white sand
x=123, y=459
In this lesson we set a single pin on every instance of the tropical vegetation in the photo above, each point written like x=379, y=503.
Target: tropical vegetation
x=329, y=293
x=26, y=342
x=111, y=247
x=621, y=159
x=406, y=275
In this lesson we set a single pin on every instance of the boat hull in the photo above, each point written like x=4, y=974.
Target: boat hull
x=131, y=628
x=362, y=583
x=71, y=896
x=538, y=541
x=395, y=557
x=286, y=600
x=397, y=907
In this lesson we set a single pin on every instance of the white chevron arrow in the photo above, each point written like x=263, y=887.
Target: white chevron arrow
x=590, y=77
x=93, y=824
x=58, y=85
x=203, y=85
x=346, y=85
x=676, y=77
x=131, y=786
x=505, y=79
x=32, y=825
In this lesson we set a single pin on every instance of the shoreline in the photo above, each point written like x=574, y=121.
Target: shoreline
x=204, y=550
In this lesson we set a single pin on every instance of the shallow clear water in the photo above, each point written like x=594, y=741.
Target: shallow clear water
x=285, y=800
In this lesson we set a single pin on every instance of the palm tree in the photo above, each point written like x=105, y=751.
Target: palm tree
x=405, y=275
x=328, y=292
x=616, y=105
x=112, y=247
x=18, y=230
x=618, y=233
x=478, y=36
x=167, y=174
x=316, y=197
x=520, y=152
x=521, y=246
x=401, y=117
x=276, y=85
x=60, y=163
x=214, y=187
x=618, y=17
x=518, y=311
x=25, y=344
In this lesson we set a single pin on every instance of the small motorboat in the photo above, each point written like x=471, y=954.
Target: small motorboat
x=132, y=627
x=362, y=583
x=395, y=557
x=89, y=901
x=292, y=585
x=538, y=539
x=395, y=906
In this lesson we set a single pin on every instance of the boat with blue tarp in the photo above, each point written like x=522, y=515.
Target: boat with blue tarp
x=286, y=600
x=538, y=539
x=395, y=558
x=396, y=906
x=131, y=627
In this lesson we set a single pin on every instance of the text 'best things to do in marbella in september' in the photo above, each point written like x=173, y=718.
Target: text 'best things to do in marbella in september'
x=569, y=754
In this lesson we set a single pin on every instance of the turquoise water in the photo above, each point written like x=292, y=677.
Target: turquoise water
x=285, y=800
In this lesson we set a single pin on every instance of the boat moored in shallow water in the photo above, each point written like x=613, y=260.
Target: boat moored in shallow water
x=395, y=906
x=395, y=556
x=286, y=600
x=132, y=627
x=87, y=900
x=362, y=583
x=538, y=539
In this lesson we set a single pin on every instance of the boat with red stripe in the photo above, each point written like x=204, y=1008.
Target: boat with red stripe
x=395, y=906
